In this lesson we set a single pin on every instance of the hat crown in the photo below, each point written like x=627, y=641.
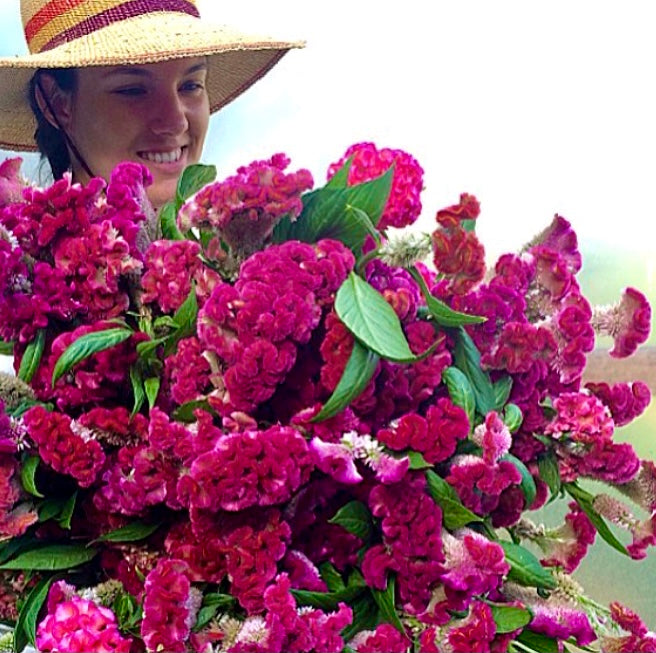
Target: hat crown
x=49, y=23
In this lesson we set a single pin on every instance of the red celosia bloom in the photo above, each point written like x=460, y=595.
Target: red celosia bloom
x=384, y=639
x=64, y=446
x=15, y=518
x=80, y=625
x=169, y=607
x=404, y=204
x=561, y=238
x=467, y=208
x=475, y=633
x=626, y=401
x=638, y=637
x=170, y=267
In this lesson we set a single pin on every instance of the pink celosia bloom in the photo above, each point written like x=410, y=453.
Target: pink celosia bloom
x=65, y=446
x=626, y=401
x=81, y=625
x=643, y=532
x=303, y=573
x=493, y=436
x=336, y=460
x=169, y=607
x=404, y=204
x=515, y=272
x=11, y=181
x=561, y=238
x=628, y=322
x=581, y=417
x=637, y=638
x=244, y=209
x=169, y=269
x=376, y=563
x=384, y=639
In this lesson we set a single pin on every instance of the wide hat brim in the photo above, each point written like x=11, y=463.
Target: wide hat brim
x=235, y=60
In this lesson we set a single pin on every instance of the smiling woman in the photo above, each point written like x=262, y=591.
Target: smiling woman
x=117, y=80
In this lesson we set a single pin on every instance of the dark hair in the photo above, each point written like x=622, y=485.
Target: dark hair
x=49, y=139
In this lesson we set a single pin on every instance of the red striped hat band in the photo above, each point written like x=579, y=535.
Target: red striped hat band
x=62, y=21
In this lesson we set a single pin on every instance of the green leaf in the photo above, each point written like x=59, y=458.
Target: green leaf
x=325, y=213
x=359, y=369
x=212, y=604
x=331, y=577
x=28, y=473
x=372, y=320
x=66, y=514
x=185, y=317
x=468, y=359
x=550, y=472
x=127, y=610
x=355, y=518
x=25, y=631
x=132, y=532
x=50, y=508
x=585, y=499
x=502, y=389
x=525, y=568
x=417, y=461
x=152, y=386
x=87, y=345
x=32, y=357
x=509, y=618
x=363, y=221
x=460, y=391
x=340, y=178
x=328, y=600
x=366, y=616
x=386, y=601
x=193, y=178
x=512, y=417
x=538, y=642
x=454, y=514
x=528, y=482
x=442, y=313
x=52, y=557
x=168, y=219
x=6, y=348
x=146, y=348
x=185, y=413
x=137, y=389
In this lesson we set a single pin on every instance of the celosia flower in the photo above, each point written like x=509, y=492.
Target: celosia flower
x=561, y=238
x=80, y=625
x=384, y=639
x=493, y=436
x=628, y=322
x=16, y=514
x=170, y=607
x=626, y=401
x=11, y=181
x=637, y=638
x=245, y=208
x=581, y=417
x=404, y=204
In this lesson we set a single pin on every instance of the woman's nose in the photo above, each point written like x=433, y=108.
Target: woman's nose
x=168, y=115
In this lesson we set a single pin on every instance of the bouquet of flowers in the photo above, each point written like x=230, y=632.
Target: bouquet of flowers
x=271, y=418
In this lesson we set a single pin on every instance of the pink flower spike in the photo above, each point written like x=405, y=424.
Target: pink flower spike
x=628, y=322
x=494, y=438
x=336, y=460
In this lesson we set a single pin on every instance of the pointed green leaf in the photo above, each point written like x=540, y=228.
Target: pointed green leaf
x=359, y=369
x=87, y=345
x=585, y=499
x=185, y=317
x=50, y=508
x=355, y=518
x=442, y=313
x=468, y=359
x=51, y=557
x=502, y=389
x=550, y=472
x=372, y=320
x=454, y=514
x=132, y=532
x=168, y=217
x=340, y=178
x=28, y=473
x=137, y=389
x=509, y=618
x=32, y=357
x=193, y=178
x=365, y=616
x=417, y=461
x=331, y=577
x=386, y=601
x=151, y=387
x=528, y=482
x=525, y=568
x=360, y=218
x=538, y=642
x=460, y=391
x=66, y=515
x=185, y=413
x=328, y=600
x=25, y=631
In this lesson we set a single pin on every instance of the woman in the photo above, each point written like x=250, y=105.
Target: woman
x=114, y=80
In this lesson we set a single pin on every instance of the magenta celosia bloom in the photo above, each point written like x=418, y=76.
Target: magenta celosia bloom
x=628, y=322
x=493, y=436
x=11, y=181
x=170, y=607
x=384, y=639
x=626, y=401
x=581, y=417
x=637, y=638
x=247, y=469
x=65, y=446
x=244, y=209
x=169, y=268
x=475, y=633
x=561, y=238
x=187, y=371
x=336, y=460
x=303, y=573
x=80, y=625
x=16, y=516
x=404, y=204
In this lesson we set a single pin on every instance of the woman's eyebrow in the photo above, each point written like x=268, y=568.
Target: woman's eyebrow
x=144, y=72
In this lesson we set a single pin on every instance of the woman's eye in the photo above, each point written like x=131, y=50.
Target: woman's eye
x=131, y=91
x=193, y=86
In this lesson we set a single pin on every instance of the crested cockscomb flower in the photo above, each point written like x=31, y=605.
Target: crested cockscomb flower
x=244, y=209
x=561, y=238
x=79, y=624
x=626, y=401
x=628, y=322
x=368, y=162
x=636, y=636
x=582, y=417
x=384, y=639
x=16, y=514
x=468, y=208
x=493, y=436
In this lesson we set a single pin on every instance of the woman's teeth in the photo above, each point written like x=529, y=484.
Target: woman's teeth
x=162, y=157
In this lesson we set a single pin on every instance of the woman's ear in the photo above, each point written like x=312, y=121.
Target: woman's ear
x=54, y=103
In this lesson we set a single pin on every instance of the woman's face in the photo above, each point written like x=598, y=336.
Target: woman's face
x=155, y=114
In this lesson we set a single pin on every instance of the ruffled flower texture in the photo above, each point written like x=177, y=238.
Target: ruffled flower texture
x=244, y=209
x=254, y=327
x=368, y=162
x=11, y=181
x=80, y=625
x=636, y=636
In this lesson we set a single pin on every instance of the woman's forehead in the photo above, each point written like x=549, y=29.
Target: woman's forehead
x=165, y=69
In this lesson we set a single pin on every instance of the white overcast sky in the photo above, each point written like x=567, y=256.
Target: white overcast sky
x=534, y=107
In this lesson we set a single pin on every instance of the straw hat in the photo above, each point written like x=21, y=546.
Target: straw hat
x=79, y=33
